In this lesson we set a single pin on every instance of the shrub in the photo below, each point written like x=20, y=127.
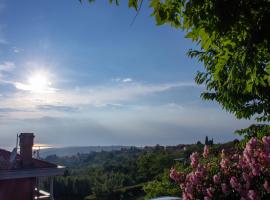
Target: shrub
x=234, y=175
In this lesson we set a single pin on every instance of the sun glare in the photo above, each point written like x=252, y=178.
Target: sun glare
x=39, y=82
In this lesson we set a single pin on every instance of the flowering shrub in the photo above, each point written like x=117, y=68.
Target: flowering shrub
x=244, y=175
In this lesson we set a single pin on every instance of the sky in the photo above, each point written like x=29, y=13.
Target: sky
x=79, y=74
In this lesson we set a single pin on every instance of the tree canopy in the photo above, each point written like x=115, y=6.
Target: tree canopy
x=233, y=40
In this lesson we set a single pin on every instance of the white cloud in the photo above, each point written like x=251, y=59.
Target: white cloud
x=118, y=94
x=126, y=80
x=123, y=80
x=32, y=88
x=7, y=66
x=16, y=50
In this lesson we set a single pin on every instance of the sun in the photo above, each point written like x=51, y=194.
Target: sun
x=39, y=82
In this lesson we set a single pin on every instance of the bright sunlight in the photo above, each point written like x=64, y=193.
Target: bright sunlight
x=39, y=82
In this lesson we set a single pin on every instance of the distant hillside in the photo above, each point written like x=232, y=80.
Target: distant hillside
x=70, y=151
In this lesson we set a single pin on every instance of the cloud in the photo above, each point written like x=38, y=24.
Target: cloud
x=56, y=108
x=110, y=114
x=126, y=80
x=141, y=125
x=69, y=100
x=7, y=66
x=123, y=80
x=17, y=50
x=31, y=87
x=115, y=94
x=6, y=110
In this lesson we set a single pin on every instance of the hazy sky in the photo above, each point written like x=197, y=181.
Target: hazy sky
x=83, y=75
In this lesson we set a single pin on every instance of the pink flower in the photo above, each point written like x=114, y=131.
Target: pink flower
x=240, y=171
x=247, y=185
x=205, y=151
x=256, y=168
x=245, y=176
x=194, y=179
x=210, y=192
x=253, y=142
x=216, y=178
x=234, y=183
x=194, y=157
x=252, y=195
x=266, y=142
x=223, y=155
x=174, y=175
x=250, y=146
x=189, y=188
x=224, y=188
x=267, y=159
x=224, y=164
x=266, y=186
x=185, y=196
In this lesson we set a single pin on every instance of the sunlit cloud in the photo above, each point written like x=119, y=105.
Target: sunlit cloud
x=38, y=82
x=41, y=98
x=38, y=146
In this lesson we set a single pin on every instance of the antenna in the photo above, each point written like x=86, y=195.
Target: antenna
x=13, y=154
x=17, y=141
x=37, y=151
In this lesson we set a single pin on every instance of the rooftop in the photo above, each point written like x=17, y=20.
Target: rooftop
x=5, y=163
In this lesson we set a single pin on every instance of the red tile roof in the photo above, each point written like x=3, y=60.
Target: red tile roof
x=6, y=165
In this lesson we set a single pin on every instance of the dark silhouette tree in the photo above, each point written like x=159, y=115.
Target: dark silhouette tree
x=206, y=140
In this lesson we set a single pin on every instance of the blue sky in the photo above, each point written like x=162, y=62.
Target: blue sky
x=80, y=74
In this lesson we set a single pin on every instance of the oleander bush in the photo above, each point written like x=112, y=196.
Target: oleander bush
x=235, y=174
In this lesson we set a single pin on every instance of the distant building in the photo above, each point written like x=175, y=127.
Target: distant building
x=20, y=173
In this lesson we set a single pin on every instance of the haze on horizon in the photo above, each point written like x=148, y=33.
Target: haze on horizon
x=79, y=75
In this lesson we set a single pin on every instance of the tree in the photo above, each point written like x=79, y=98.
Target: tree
x=206, y=140
x=161, y=186
x=233, y=38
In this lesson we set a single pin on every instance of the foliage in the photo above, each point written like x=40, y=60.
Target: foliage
x=126, y=174
x=111, y=175
x=257, y=131
x=236, y=175
x=233, y=44
x=149, y=164
x=161, y=186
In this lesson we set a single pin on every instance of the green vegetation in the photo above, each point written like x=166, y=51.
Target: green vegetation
x=130, y=174
x=115, y=175
x=161, y=186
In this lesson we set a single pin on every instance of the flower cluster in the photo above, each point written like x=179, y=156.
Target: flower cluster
x=244, y=175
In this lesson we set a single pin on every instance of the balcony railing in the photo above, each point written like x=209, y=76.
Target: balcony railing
x=43, y=195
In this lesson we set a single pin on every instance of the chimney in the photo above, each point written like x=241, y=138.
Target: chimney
x=26, y=144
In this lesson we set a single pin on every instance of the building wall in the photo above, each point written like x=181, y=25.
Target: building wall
x=17, y=189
